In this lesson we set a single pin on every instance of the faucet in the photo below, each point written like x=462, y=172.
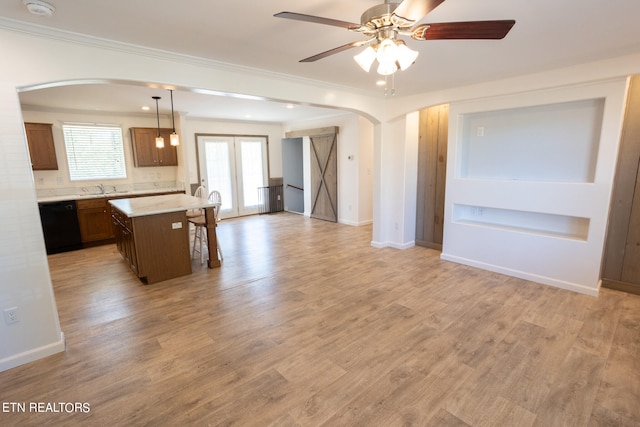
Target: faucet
x=101, y=188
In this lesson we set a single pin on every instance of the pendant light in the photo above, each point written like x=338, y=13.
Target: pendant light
x=159, y=139
x=174, y=138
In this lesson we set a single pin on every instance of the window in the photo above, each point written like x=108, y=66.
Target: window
x=94, y=152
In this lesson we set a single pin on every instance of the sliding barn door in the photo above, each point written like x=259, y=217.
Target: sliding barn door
x=324, y=177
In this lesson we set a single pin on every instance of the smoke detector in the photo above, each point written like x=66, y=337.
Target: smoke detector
x=38, y=7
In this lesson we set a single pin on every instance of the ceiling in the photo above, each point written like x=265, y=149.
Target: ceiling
x=548, y=34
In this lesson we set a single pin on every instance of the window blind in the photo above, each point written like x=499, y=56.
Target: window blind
x=94, y=152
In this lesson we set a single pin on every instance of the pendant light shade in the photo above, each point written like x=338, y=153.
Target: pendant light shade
x=406, y=56
x=365, y=58
x=159, y=139
x=174, y=138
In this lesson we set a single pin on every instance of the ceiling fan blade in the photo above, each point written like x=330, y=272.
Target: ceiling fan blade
x=335, y=50
x=485, y=30
x=415, y=10
x=316, y=19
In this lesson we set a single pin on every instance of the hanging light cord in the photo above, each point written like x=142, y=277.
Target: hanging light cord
x=173, y=120
x=157, y=113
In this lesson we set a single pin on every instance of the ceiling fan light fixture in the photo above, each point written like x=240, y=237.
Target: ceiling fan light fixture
x=384, y=23
x=365, y=58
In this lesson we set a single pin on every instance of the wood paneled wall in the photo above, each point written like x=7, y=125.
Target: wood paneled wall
x=621, y=267
x=432, y=166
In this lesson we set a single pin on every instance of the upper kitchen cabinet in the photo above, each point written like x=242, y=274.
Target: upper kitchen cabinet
x=41, y=146
x=145, y=152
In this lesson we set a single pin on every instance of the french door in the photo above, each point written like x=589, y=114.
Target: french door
x=236, y=166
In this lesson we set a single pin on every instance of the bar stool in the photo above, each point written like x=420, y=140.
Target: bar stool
x=199, y=222
x=201, y=193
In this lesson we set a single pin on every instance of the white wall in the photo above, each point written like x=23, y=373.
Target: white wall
x=24, y=272
x=364, y=160
x=398, y=164
x=544, y=224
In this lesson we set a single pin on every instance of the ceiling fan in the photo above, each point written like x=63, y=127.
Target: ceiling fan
x=382, y=24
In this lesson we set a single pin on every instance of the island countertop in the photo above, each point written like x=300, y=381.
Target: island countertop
x=153, y=205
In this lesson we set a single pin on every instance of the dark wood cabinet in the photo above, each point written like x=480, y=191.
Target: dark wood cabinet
x=145, y=152
x=155, y=249
x=123, y=232
x=41, y=146
x=95, y=220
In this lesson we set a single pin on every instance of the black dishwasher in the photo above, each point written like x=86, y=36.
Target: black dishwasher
x=60, y=226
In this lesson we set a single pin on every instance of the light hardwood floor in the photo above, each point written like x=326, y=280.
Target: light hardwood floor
x=306, y=324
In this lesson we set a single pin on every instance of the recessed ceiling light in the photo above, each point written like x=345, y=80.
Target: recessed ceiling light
x=290, y=106
x=39, y=7
x=145, y=108
x=381, y=83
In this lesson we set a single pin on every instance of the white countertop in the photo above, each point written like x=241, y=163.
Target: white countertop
x=119, y=194
x=153, y=205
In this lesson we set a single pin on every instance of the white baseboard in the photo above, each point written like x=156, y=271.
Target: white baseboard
x=34, y=354
x=575, y=287
x=355, y=223
x=401, y=246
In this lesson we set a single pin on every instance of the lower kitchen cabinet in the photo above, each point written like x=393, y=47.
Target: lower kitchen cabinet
x=95, y=220
x=123, y=231
x=153, y=246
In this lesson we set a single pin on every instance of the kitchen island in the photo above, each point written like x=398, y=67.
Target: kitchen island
x=152, y=234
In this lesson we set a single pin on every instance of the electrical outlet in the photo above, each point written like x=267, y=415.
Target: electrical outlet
x=11, y=315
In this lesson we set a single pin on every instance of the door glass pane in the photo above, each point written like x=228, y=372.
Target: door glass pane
x=218, y=171
x=252, y=171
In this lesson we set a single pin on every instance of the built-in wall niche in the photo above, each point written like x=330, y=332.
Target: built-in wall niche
x=530, y=222
x=554, y=142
